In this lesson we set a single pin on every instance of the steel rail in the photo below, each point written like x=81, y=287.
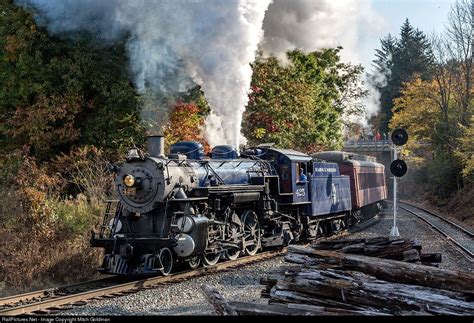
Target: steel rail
x=447, y=236
x=134, y=286
x=29, y=296
x=454, y=224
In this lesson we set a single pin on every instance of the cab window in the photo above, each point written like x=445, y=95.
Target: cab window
x=301, y=173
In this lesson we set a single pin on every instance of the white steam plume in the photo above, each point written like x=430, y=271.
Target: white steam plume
x=311, y=25
x=176, y=43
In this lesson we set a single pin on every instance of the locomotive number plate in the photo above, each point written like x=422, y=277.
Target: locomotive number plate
x=300, y=192
x=129, y=191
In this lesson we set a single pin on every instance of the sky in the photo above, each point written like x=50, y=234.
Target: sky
x=426, y=15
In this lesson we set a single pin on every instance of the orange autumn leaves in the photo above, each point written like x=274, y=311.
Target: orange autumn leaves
x=186, y=123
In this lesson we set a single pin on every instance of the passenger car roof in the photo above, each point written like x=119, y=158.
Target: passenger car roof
x=342, y=156
x=293, y=155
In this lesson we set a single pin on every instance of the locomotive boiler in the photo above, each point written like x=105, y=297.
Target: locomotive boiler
x=189, y=209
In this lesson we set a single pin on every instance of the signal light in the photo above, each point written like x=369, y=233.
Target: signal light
x=398, y=168
x=399, y=137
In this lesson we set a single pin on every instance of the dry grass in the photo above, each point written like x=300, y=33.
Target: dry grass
x=31, y=260
x=460, y=207
x=33, y=263
x=44, y=232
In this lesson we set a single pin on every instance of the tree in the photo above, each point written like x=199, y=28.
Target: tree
x=58, y=92
x=299, y=105
x=432, y=139
x=412, y=55
x=399, y=61
x=186, y=123
x=460, y=46
x=416, y=110
x=465, y=150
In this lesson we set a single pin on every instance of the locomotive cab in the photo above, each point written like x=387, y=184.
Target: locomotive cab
x=329, y=190
x=288, y=164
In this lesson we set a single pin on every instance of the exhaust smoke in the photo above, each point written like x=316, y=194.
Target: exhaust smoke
x=173, y=45
x=311, y=25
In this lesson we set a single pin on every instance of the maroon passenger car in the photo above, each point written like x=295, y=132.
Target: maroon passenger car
x=367, y=179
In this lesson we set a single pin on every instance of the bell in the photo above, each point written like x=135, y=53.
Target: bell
x=133, y=154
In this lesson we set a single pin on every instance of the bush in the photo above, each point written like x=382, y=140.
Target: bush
x=74, y=216
x=439, y=178
x=84, y=170
x=45, y=231
x=443, y=176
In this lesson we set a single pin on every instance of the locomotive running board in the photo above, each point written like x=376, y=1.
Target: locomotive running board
x=233, y=188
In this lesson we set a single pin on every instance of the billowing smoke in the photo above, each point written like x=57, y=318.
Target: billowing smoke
x=372, y=83
x=312, y=25
x=174, y=44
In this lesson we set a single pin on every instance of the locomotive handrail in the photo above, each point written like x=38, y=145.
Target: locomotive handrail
x=207, y=166
x=249, y=188
x=189, y=199
x=182, y=162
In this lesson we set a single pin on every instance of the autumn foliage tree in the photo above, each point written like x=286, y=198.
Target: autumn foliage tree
x=299, y=105
x=58, y=92
x=186, y=123
x=418, y=111
x=438, y=112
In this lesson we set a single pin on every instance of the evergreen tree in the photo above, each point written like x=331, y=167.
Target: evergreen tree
x=399, y=61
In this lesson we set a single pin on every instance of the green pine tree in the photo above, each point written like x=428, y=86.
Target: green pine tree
x=400, y=60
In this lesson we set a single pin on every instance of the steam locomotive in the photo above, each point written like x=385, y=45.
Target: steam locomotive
x=187, y=209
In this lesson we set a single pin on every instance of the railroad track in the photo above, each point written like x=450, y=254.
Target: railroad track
x=54, y=300
x=40, y=295
x=462, y=238
x=51, y=301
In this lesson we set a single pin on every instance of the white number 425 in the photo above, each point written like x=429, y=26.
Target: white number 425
x=300, y=192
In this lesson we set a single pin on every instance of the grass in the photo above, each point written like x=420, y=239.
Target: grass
x=32, y=258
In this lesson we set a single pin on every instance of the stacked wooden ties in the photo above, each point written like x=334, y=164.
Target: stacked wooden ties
x=375, y=276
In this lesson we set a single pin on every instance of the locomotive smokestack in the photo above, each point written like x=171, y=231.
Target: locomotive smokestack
x=156, y=145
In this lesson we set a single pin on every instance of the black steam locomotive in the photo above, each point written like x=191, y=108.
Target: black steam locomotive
x=187, y=209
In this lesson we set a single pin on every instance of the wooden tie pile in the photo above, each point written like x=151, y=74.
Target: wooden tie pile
x=374, y=276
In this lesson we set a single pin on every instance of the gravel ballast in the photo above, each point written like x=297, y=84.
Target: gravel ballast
x=242, y=284
x=186, y=298
x=410, y=227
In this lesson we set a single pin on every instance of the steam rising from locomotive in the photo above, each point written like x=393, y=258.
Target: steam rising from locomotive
x=174, y=45
x=187, y=208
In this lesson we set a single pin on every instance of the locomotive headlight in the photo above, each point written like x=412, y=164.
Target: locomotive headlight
x=129, y=180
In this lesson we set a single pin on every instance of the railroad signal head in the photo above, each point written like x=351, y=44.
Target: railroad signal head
x=399, y=137
x=398, y=168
